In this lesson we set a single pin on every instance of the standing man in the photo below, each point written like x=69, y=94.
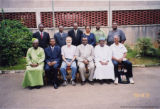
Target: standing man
x=85, y=56
x=68, y=56
x=119, y=53
x=76, y=34
x=34, y=70
x=60, y=37
x=52, y=62
x=103, y=61
x=99, y=33
x=42, y=36
x=115, y=31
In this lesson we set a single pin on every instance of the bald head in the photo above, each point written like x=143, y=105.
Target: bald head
x=68, y=40
x=116, y=39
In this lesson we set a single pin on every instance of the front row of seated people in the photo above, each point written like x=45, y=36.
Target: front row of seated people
x=100, y=62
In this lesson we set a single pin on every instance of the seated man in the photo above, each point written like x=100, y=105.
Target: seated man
x=34, y=70
x=52, y=62
x=68, y=56
x=85, y=55
x=119, y=53
x=103, y=61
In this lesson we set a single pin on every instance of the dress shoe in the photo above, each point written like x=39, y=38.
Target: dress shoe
x=55, y=86
x=65, y=83
x=73, y=83
x=30, y=88
x=101, y=82
x=83, y=83
x=116, y=81
x=131, y=81
x=37, y=87
x=91, y=82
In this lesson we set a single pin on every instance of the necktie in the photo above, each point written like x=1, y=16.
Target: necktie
x=41, y=35
x=75, y=32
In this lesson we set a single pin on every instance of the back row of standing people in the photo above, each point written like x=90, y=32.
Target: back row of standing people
x=76, y=34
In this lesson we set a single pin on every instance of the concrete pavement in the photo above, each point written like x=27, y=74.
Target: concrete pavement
x=144, y=94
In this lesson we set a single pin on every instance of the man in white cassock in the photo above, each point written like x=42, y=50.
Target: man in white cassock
x=103, y=62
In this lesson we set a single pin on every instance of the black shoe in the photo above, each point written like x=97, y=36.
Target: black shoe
x=108, y=81
x=55, y=86
x=83, y=83
x=37, y=87
x=30, y=88
x=101, y=82
x=91, y=82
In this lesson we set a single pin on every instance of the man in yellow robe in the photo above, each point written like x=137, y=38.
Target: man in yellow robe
x=35, y=66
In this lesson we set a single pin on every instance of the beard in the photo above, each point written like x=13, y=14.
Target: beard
x=69, y=43
x=35, y=47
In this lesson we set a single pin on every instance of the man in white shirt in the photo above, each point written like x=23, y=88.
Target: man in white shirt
x=119, y=53
x=85, y=56
x=68, y=55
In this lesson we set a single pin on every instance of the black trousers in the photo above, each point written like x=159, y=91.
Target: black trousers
x=51, y=74
x=128, y=66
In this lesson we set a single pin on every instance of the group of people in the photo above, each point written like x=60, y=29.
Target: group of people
x=81, y=52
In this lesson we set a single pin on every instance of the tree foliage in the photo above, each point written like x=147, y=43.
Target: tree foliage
x=15, y=39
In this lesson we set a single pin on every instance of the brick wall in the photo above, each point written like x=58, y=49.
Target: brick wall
x=136, y=17
x=28, y=18
x=122, y=17
x=68, y=18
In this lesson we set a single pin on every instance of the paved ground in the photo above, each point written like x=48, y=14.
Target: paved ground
x=142, y=95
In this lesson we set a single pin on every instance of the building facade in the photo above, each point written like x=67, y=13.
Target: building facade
x=135, y=18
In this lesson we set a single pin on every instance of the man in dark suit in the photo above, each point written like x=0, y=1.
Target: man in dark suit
x=42, y=36
x=76, y=35
x=52, y=62
x=60, y=37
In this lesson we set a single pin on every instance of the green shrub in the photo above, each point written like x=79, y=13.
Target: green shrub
x=15, y=39
x=158, y=38
x=158, y=53
x=128, y=48
x=145, y=47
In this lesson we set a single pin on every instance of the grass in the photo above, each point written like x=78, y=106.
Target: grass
x=131, y=55
x=144, y=61
x=21, y=65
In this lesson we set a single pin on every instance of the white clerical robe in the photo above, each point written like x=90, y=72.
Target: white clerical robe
x=103, y=71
